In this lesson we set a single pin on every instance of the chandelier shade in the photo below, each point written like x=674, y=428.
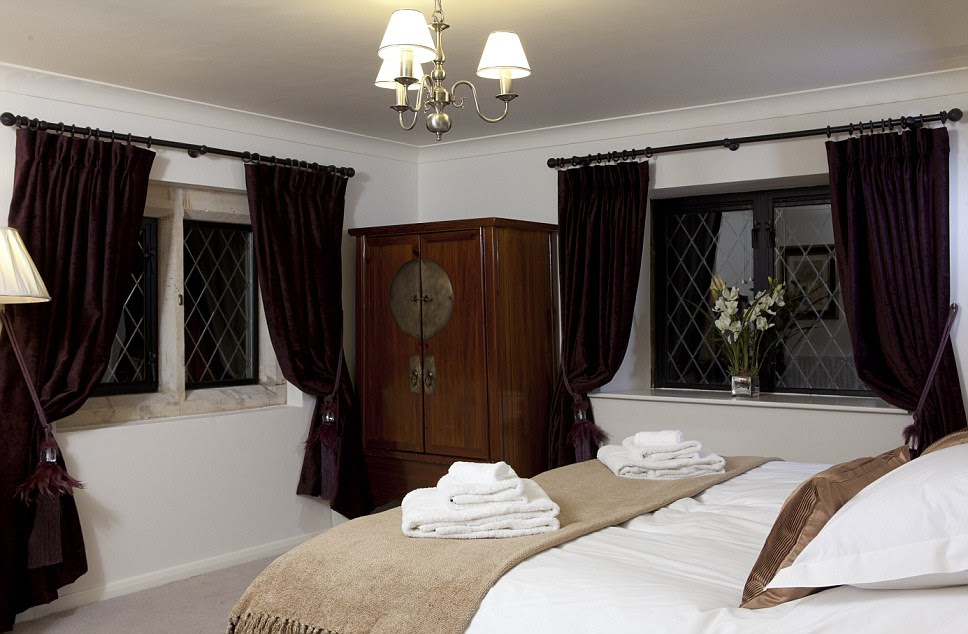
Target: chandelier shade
x=20, y=283
x=407, y=34
x=503, y=55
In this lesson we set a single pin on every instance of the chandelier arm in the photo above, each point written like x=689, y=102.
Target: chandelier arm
x=420, y=105
x=412, y=123
x=477, y=105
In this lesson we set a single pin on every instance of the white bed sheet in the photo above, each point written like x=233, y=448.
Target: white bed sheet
x=682, y=569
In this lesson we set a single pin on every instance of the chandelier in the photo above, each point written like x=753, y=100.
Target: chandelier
x=407, y=45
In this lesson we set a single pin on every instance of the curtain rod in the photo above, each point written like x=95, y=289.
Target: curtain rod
x=194, y=151
x=944, y=116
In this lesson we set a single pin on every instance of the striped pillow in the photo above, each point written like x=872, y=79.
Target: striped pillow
x=804, y=513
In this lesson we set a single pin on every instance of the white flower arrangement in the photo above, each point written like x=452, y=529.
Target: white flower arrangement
x=742, y=323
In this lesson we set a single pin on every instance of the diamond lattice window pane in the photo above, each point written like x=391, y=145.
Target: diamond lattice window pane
x=132, y=365
x=698, y=245
x=814, y=353
x=220, y=324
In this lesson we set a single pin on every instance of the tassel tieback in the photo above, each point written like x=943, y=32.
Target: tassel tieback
x=49, y=478
x=586, y=437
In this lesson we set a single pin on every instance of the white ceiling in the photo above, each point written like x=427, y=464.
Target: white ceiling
x=314, y=61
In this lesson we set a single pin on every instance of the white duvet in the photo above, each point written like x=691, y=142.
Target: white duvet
x=682, y=569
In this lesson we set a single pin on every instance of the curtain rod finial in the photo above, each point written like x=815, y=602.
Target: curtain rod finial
x=954, y=114
x=8, y=119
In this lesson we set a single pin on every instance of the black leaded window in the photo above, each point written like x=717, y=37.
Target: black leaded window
x=744, y=238
x=221, y=336
x=133, y=366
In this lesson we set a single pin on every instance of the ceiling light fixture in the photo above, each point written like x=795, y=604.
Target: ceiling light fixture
x=407, y=45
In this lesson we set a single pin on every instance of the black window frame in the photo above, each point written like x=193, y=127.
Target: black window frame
x=149, y=252
x=763, y=204
x=253, y=307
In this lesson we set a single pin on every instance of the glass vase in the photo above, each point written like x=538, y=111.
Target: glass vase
x=745, y=385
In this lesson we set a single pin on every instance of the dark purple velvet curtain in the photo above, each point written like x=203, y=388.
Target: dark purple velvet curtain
x=889, y=195
x=78, y=204
x=601, y=228
x=297, y=227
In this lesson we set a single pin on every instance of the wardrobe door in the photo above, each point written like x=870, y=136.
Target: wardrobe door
x=455, y=394
x=391, y=393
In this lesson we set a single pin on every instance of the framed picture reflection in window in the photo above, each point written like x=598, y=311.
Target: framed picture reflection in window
x=811, y=278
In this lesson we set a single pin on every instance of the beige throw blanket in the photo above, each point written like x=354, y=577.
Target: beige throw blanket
x=366, y=576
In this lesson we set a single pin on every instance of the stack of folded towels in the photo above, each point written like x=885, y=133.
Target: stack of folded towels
x=660, y=455
x=475, y=500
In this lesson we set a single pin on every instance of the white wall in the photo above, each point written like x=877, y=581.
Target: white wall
x=511, y=179
x=169, y=498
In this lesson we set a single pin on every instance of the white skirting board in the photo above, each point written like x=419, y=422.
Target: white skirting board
x=69, y=600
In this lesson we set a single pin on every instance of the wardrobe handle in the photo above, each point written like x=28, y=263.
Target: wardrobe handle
x=415, y=372
x=429, y=376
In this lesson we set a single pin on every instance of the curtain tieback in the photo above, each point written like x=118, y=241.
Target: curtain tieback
x=48, y=479
x=911, y=433
x=585, y=435
x=328, y=435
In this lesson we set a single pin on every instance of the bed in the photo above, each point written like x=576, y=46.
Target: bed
x=683, y=567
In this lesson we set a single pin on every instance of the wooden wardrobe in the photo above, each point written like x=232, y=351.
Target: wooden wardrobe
x=457, y=347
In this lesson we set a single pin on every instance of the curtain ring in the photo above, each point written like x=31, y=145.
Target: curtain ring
x=112, y=136
x=246, y=157
x=920, y=119
x=61, y=127
x=256, y=158
x=129, y=138
x=149, y=142
x=648, y=152
x=97, y=134
x=314, y=166
x=850, y=130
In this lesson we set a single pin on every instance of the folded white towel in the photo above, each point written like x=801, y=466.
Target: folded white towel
x=686, y=449
x=460, y=500
x=426, y=513
x=622, y=463
x=481, y=482
x=481, y=471
x=664, y=437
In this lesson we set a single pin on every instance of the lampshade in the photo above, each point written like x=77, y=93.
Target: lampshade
x=503, y=52
x=20, y=283
x=389, y=70
x=408, y=32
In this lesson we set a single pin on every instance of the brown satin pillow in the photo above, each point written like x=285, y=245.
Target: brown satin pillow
x=804, y=513
x=959, y=437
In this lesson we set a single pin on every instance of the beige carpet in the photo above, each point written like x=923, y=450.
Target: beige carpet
x=199, y=605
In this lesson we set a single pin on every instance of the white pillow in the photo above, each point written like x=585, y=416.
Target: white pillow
x=907, y=529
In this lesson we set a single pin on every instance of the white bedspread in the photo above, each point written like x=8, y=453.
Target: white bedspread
x=682, y=569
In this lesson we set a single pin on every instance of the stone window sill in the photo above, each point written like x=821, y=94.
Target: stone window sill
x=775, y=401
x=101, y=411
